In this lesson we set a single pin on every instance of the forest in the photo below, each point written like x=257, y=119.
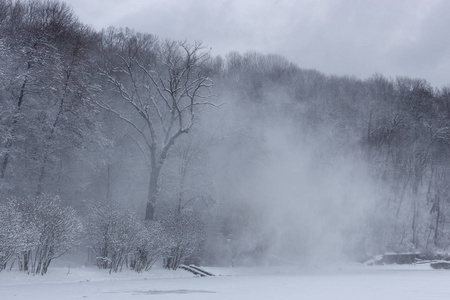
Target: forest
x=136, y=150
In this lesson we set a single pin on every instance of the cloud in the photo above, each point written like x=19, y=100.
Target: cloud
x=404, y=37
x=426, y=52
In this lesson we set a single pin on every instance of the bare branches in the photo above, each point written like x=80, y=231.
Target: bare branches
x=164, y=82
x=164, y=91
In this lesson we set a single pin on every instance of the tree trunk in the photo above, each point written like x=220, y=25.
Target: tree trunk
x=9, y=142
x=41, y=175
x=152, y=193
x=108, y=183
x=51, y=136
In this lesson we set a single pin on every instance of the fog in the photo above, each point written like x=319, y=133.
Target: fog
x=137, y=149
x=301, y=196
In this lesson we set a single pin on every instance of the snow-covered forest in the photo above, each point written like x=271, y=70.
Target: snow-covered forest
x=136, y=150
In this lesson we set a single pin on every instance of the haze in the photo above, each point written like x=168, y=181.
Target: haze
x=168, y=136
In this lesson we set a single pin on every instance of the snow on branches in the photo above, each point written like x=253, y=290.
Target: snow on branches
x=36, y=230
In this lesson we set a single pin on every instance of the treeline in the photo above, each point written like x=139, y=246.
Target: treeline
x=154, y=143
x=400, y=126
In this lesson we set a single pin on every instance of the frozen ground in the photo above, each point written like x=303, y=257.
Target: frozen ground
x=349, y=282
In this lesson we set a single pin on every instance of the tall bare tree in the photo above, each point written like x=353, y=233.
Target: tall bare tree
x=162, y=87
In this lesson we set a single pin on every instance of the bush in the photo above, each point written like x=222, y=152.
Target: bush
x=117, y=238
x=150, y=246
x=184, y=237
x=15, y=236
x=112, y=235
x=38, y=230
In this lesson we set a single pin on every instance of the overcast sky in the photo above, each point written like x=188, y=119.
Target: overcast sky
x=351, y=37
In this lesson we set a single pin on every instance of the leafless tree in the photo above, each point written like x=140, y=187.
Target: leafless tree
x=164, y=86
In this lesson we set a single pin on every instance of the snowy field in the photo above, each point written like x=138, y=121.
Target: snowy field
x=350, y=282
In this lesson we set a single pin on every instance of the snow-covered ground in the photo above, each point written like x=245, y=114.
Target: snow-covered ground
x=349, y=282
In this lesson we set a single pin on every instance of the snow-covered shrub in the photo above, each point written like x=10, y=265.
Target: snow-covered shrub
x=117, y=238
x=54, y=228
x=37, y=230
x=184, y=237
x=113, y=235
x=150, y=246
x=8, y=232
x=15, y=237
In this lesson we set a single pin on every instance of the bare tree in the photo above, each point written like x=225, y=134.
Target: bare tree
x=163, y=85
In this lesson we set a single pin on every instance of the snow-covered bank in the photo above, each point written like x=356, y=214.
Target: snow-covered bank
x=349, y=282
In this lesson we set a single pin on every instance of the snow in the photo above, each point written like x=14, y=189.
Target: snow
x=348, y=282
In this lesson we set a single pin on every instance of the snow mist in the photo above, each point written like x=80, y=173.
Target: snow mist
x=288, y=195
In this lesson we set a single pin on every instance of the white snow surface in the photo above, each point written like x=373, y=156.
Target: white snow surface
x=346, y=282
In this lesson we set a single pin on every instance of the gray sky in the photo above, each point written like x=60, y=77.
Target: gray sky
x=351, y=37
